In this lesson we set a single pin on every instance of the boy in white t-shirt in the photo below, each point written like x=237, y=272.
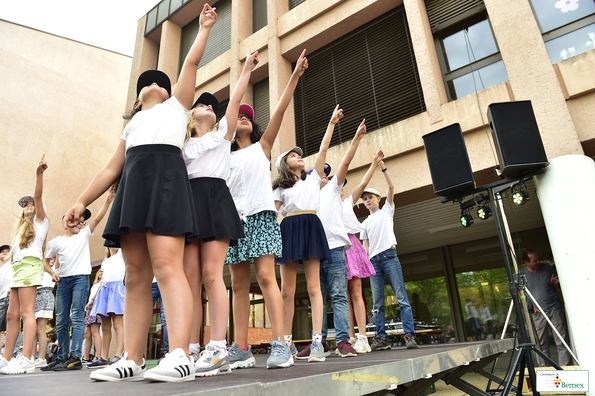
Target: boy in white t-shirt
x=379, y=241
x=74, y=256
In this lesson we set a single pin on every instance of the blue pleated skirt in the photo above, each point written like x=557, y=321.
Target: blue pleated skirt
x=110, y=299
x=303, y=238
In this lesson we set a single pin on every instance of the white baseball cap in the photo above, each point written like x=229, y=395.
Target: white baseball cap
x=371, y=191
x=295, y=149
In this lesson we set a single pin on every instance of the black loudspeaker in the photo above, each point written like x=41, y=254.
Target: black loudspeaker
x=517, y=139
x=449, y=162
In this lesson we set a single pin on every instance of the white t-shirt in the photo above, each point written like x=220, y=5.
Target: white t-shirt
x=47, y=281
x=250, y=181
x=208, y=155
x=93, y=291
x=352, y=224
x=35, y=248
x=164, y=123
x=113, y=268
x=5, y=278
x=73, y=253
x=331, y=215
x=304, y=195
x=378, y=230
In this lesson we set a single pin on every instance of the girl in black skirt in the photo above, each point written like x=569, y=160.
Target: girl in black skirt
x=304, y=240
x=152, y=214
x=207, y=154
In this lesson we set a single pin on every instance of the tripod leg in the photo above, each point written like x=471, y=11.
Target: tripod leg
x=519, y=389
x=513, y=370
x=531, y=368
x=547, y=358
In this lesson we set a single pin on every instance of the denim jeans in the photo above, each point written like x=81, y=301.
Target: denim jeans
x=333, y=273
x=387, y=263
x=157, y=295
x=71, y=297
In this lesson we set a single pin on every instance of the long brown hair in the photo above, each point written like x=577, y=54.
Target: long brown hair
x=287, y=178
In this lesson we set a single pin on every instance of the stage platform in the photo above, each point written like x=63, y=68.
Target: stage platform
x=398, y=371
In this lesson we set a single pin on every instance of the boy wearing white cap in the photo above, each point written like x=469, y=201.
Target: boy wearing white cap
x=379, y=241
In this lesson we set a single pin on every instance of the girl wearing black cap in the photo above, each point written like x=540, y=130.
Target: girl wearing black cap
x=27, y=252
x=152, y=214
x=207, y=161
x=250, y=187
x=304, y=240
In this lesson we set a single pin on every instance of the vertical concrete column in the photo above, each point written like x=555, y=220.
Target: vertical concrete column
x=531, y=74
x=279, y=74
x=427, y=60
x=169, y=50
x=241, y=28
x=144, y=58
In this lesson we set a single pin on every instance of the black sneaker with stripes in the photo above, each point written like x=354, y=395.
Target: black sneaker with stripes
x=174, y=367
x=122, y=370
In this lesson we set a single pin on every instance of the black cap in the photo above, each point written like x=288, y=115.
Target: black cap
x=4, y=247
x=153, y=76
x=207, y=99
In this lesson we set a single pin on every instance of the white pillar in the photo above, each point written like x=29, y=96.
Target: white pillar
x=567, y=197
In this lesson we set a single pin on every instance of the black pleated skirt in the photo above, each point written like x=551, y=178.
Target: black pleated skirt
x=303, y=238
x=154, y=194
x=216, y=212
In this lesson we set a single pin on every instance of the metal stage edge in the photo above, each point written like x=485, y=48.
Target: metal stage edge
x=397, y=371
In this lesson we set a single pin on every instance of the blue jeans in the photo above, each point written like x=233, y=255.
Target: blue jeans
x=387, y=263
x=157, y=295
x=71, y=295
x=333, y=273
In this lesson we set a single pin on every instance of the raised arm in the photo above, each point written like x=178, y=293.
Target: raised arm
x=358, y=191
x=100, y=183
x=184, y=90
x=101, y=214
x=391, y=187
x=233, y=107
x=39, y=209
x=269, y=136
x=326, y=140
x=344, y=166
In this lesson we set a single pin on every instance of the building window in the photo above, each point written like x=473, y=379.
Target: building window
x=219, y=38
x=262, y=112
x=371, y=72
x=161, y=12
x=568, y=26
x=469, y=56
x=295, y=3
x=259, y=15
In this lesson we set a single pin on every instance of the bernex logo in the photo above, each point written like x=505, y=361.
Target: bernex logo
x=566, y=380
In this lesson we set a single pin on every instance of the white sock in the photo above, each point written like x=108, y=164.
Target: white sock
x=362, y=337
x=317, y=338
x=288, y=339
x=194, y=348
x=221, y=345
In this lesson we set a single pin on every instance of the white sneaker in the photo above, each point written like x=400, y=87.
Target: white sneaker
x=122, y=370
x=362, y=345
x=3, y=362
x=212, y=361
x=18, y=365
x=174, y=367
x=39, y=362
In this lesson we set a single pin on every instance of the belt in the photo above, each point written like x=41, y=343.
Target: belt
x=300, y=212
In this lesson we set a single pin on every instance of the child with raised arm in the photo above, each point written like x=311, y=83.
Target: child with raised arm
x=207, y=155
x=153, y=213
x=74, y=257
x=304, y=240
x=380, y=242
x=357, y=261
x=249, y=184
x=27, y=252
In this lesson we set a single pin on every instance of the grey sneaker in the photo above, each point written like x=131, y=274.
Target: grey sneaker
x=211, y=362
x=316, y=352
x=193, y=357
x=293, y=349
x=410, y=341
x=379, y=344
x=238, y=358
x=99, y=363
x=280, y=355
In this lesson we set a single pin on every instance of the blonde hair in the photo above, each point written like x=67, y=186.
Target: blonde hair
x=24, y=231
x=192, y=125
x=108, y=254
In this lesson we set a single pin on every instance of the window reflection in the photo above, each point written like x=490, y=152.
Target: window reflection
x=571, y=44
x=464, y=47
x=477, y=80
x=552, y=14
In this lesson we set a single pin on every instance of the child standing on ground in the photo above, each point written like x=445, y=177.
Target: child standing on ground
x=27, y=252
x=5, y=279
x=152, y=215
x=108, y=304
x=44, y=311
x=380, y=242
x=304, y=240
x=207, y=155
x=92, y=323
x=253, y=198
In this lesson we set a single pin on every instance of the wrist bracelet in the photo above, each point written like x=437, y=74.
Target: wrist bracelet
x=384, y=170
x=334, y=123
